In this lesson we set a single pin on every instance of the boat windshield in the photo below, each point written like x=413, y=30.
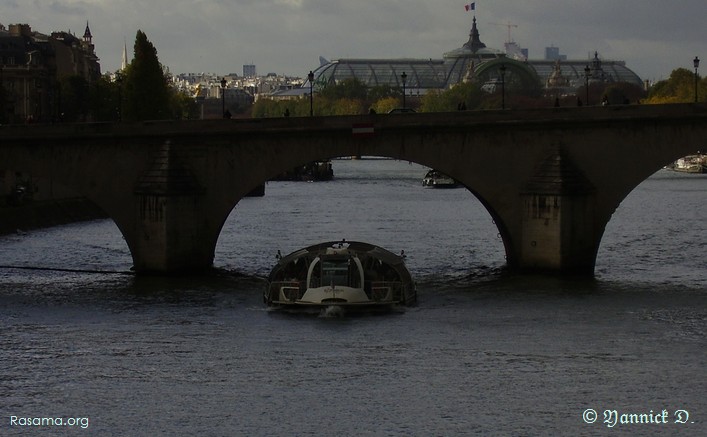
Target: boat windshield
x=340, y=271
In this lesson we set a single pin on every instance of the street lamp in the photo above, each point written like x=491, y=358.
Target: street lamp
x=503, y=85
x=223, y=97
x=38, y=100
x=587, y=70
x=119, y=79
x=2, y=94
x=310, y=76
x=404, y=78
x=696, y=63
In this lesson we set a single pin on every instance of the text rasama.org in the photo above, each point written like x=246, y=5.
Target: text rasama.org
x=49, y=421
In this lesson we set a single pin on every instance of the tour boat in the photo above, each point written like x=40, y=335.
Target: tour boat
x=309, y=172
x=435, y=179
x=691, y=164
x=346, y=274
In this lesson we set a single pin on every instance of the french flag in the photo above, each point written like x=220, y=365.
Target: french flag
x=470, y=7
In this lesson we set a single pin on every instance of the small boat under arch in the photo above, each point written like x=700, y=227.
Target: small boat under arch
x=437, y=179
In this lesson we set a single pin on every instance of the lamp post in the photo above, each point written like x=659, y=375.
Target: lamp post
x=696, y=63
x=2, y=94
x=503, y=85
x=587, y=70
x=310, y=76
x=38, y=101
x=59, y=115
x=119, y=79
x=404, y=78
x=223, y=97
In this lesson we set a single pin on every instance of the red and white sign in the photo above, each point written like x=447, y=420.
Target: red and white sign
x=362, y=130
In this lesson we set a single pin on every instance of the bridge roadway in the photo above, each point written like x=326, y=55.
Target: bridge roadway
x=550, y=178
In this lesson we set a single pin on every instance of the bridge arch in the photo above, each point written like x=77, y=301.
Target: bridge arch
x=440, y=165
x=53, y=178
x=297, y=157
x=550, y=178
x=372, y=199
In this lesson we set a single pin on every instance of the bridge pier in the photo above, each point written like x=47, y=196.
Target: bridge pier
x=557, y=223
x=171, y=230
x=170, y=237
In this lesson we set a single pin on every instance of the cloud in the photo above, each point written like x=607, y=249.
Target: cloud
x=288, y=36
x=68, y=8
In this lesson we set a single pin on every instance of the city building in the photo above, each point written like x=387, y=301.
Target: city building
x=249, y=70
x=31, y=64
x=474, y=61
x=552, y=53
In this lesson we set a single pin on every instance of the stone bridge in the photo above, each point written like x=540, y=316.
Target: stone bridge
x=550, y=178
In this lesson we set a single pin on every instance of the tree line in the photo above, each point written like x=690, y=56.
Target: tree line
x=679, y=88
x=350, y=97
x=139, y=92
x=142, y=92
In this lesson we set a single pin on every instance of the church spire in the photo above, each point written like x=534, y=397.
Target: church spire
x=124, y=61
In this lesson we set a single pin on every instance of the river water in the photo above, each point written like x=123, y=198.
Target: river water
x=484, y=352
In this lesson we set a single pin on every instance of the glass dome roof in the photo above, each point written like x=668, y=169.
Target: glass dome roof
x=426, y=74
x=422, y=74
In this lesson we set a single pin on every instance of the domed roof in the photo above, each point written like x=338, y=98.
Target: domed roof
x=474, y=44
x=474, y=47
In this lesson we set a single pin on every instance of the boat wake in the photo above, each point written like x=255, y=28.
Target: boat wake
x=332, y=312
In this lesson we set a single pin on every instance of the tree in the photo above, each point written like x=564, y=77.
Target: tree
x=346, y=98
x=184, y=106
x=623, y=93
x=468, y=95
x=346, y=89
x=4, y=104
x=382, y=92
x=679, y=88
x=348, y=107
x=386, y=104
x=73, y=98
x=265, y=108
x=146, y=93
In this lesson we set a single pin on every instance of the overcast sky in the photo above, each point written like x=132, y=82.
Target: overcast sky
x=288, y=36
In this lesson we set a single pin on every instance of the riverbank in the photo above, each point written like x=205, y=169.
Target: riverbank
x=47, y=213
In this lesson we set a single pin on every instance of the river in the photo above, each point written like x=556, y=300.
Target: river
x=90, y=349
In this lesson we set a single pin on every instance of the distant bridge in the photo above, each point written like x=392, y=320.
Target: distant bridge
x=550, y=178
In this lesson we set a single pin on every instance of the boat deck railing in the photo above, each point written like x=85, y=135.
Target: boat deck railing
x=292, y=290
x=377, y=291
x=386, y=290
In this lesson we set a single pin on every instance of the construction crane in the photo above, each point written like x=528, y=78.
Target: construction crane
x=508, y=25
